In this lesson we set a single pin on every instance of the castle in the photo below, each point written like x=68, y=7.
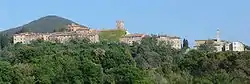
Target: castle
x=78, y=31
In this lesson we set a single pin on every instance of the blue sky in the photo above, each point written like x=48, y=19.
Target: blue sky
x=191, y=19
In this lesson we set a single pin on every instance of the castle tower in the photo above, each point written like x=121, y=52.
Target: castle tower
x=120, y=24
x=218, y=35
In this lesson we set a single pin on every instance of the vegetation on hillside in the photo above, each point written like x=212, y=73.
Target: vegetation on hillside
x=44, y=24
x=247, y=47
x=5, y=40
x=111, y=35
x=82, y=62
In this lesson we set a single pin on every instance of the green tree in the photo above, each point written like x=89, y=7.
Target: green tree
x=5, y=72
x=125, y=75
x=185, y=43
x=4, y=40
x=149, y=62
x=25, y=30
x=207, y=47
x=247, y=47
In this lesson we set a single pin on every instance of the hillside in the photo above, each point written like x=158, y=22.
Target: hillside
x=44, y=24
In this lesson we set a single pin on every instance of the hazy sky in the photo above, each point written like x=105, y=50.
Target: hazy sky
x=191, y=19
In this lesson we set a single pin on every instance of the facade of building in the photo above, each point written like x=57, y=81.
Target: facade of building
x=73, y=31
x=130, y=38
x=238, y=46
x=174, y=41
x=26, y=38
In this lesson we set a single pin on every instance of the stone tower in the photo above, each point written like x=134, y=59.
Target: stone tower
x=120, y=24
x=218, y=35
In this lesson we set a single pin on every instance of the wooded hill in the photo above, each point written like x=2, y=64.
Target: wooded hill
x=42, y=25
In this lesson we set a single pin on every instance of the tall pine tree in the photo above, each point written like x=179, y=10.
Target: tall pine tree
x=185, y=43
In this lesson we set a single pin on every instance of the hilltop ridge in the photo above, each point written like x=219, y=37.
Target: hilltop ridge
x=44, y=24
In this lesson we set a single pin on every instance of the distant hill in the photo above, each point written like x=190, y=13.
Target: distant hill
x=44, y=24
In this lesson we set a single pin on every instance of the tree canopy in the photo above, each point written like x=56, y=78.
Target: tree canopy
x=185, y=43
x=150, y=62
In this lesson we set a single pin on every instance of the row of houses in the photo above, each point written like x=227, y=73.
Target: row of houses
x=77, y=31
x=73, y=31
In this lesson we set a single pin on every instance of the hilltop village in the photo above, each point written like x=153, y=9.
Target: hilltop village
x=78, y=31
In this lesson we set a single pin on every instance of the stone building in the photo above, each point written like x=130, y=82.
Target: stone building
x=119, y=26
x=174, y=41
x=130, y=38
x=25, y=38
x=236, y=46
x=218, y=45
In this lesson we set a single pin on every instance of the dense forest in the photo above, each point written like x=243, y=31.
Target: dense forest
x=150, y=62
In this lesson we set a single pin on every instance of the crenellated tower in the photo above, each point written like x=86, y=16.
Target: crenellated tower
x=120, y=24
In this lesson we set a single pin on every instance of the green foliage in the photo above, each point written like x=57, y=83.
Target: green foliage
x=151, y=62
x=247, y=47
x=4, y=40
x=5, y=72
x=185, y=44
x=207, y=47
x=24, y=30
x=111, y=35
x=59, y=30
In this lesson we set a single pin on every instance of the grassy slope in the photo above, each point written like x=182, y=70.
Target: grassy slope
x=111, y=35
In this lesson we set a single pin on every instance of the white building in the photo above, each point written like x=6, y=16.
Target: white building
x=238, y=46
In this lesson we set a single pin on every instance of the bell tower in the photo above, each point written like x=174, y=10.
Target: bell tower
x=218, y=35
x=120, y=24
